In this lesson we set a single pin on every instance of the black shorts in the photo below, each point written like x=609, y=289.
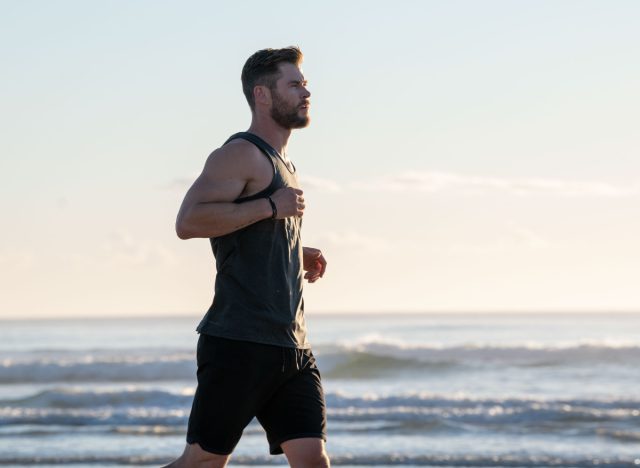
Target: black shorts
x=238, y=380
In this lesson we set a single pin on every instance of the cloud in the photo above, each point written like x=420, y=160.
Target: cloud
x=434, y=181
x=352, y=240
x=439, y=181
x=180, y=184
x=17, y=260
x=508, y=238
x=527, y=236
x=307, y=182
x=121, y=248
x=318, y=183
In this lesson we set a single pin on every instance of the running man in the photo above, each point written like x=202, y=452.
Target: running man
x=253, y=355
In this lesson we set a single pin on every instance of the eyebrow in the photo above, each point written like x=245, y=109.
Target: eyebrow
x=304, y=82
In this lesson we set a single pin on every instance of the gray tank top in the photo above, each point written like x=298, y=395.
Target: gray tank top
x=258, y=288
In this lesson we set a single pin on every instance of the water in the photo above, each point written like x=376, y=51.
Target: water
x=431, y=390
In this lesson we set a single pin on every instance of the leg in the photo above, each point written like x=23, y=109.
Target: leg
x=224, y=402
x=194, y=457
x=306, y=453
x=296, y=413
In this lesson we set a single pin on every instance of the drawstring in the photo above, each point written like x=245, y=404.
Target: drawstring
x=283, y=359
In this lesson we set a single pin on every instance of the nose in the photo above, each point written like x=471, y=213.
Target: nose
x=306, y=93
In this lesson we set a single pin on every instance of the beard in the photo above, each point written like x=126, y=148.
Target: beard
x=285, y=114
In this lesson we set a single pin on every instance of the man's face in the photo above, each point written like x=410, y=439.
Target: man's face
x=290, y=98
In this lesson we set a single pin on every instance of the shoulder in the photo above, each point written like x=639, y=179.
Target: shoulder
x=238, y=157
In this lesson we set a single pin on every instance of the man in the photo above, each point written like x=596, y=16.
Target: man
x=253, y=355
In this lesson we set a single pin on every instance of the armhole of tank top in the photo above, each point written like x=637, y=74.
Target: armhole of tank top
x=267, y=190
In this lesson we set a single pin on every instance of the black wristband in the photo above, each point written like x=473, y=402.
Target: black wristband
x=274, y=210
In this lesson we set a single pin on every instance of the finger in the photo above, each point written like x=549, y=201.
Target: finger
x=297, y=191
x=323, y=264
x=313, y=270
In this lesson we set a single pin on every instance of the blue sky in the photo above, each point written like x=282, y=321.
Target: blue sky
x=462, y=155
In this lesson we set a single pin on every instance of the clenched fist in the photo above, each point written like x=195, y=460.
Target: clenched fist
x=289, y=202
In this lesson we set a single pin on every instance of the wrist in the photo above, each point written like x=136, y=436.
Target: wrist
x=272, y=206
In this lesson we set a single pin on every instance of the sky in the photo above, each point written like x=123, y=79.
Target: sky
x=462, y=155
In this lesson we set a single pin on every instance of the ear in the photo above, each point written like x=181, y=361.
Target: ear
x=262, y=95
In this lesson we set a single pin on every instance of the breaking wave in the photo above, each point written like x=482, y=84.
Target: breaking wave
x=368, y=359
x=156, y=411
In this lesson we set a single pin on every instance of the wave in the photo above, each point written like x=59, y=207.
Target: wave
x=66, y=398
x=516, y=353
x=79, y=398
x=145, y=411
x=378, y=357
x=99, y=367
x=445, y=460
x=409, y=413
x=359, y=360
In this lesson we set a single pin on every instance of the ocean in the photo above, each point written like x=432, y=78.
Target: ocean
x=441, y=390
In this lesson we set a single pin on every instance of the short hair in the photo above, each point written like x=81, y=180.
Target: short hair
x=261, y=69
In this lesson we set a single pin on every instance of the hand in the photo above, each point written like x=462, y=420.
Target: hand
x=314, y=263
x=289, y=202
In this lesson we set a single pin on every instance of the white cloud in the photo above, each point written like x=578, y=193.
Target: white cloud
x=122, y=248
x=511, y=237
x=180, y=184
x=307, y=182
x=318, y=183
x=17, y=260
x=434, y=181
x=439, y=181
x=352, y=240
x=527, y=236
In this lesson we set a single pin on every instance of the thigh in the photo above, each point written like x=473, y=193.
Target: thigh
x=297, y=409
x=233, y=382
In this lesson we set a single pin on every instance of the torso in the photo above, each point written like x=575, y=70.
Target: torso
x=258, y=287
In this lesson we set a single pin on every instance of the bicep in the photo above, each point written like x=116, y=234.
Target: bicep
x=206, y=189
x=221, y=180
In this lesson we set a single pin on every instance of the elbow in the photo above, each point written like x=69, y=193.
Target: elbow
x=184, y=235
x=183, y=231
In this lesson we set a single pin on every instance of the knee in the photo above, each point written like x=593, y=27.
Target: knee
x=195, y=457
x=322, y=461
x=318, y=459
x=306, y=453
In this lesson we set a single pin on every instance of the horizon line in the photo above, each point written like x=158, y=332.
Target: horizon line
x=334, y=313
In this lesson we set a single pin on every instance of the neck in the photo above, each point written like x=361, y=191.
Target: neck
x=271, y=132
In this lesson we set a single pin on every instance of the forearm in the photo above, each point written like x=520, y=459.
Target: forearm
x=214, y=219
